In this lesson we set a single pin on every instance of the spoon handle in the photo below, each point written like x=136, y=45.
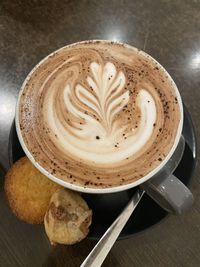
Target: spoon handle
x=102, y=248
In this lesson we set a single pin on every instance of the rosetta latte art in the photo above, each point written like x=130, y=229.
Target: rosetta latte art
x=100, y=137
x=98, y=114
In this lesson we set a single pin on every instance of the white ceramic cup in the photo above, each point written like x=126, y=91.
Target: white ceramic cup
x=160, y=191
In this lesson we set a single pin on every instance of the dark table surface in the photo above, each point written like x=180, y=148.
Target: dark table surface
x=170, y=32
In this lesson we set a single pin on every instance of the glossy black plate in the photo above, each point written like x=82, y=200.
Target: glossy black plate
x=106, y=207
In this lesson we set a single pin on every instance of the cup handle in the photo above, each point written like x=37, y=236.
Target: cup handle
x=170, y=193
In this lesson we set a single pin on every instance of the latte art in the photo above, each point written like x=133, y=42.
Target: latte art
x=97, y=134
x=98, y=114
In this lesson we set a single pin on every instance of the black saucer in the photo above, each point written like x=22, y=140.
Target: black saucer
x=106, y=207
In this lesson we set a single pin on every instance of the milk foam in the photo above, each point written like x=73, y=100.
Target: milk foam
x=101, y=141
x=98, y=114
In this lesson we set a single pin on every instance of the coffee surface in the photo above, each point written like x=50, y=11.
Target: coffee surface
x=98, y=114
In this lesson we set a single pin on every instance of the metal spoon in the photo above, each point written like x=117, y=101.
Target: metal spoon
x=100, y=251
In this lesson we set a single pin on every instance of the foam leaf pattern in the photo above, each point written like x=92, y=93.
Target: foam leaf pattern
x=105, y=101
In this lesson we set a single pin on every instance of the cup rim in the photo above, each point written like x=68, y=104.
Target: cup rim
x=113, y=189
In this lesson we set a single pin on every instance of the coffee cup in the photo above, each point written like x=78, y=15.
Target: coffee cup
x=101, y=117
